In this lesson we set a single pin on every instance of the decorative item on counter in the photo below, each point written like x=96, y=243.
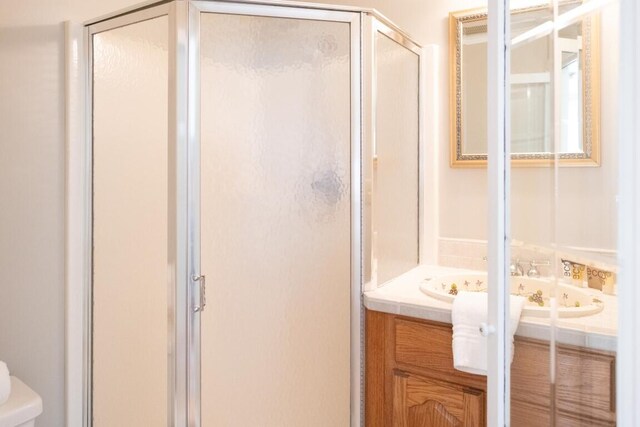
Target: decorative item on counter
x=537, y=298
x=574, y=272
x=601, y=279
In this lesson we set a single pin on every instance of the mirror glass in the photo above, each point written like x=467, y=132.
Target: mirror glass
x=532, y=72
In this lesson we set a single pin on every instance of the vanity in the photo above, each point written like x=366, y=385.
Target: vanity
x=561, y=207
x=410, y=379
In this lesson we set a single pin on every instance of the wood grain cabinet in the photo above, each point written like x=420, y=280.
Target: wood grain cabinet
x=419, y=401
x=410, y=380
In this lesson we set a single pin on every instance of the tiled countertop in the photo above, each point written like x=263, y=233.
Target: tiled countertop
x=403, y=296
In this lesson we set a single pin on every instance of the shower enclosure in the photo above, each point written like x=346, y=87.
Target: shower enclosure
x=244, y=193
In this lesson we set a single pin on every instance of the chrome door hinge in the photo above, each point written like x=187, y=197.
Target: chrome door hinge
x=202, y=293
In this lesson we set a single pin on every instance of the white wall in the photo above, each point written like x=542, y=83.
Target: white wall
x=31, y=209
x=32, y=180
x=32, y=171
x=586, y=211
x=588, y=207
x=32, y=175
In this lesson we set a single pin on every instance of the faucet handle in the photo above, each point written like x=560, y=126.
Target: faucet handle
x=515, y=269
x=533, y=271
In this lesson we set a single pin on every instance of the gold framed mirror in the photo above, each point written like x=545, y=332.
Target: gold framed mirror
x=532, y=77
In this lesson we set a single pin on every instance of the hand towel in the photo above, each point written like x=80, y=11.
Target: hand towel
x=5, y=383
x=469, y=311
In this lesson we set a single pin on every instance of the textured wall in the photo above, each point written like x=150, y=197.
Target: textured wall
x=31, y=210
x=32, y=175
x=32, y=170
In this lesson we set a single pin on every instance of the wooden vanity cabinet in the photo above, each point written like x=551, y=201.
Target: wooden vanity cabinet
x=421, y=401
x=411, y=382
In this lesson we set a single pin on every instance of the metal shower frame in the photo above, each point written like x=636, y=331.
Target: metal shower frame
x=183, y=324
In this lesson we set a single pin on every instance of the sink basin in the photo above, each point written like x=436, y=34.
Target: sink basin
x=571, y=301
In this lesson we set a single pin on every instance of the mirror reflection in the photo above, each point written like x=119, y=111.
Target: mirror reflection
x=532, y=76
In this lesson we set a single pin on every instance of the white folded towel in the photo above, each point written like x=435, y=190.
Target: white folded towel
x=469, y=311
x=5, y=383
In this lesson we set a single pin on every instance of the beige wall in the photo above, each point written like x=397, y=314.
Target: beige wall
x=32, y=183
x=32, y=160
x=32, y=175
x=586, y=211
x=31, y=209
x=587, y=195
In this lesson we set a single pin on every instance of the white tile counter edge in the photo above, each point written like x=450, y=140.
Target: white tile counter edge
x=403, y=296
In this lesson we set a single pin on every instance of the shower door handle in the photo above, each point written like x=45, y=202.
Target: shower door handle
x=202, y=293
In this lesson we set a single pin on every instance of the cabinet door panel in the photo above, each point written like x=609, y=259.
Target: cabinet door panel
x=419, y=402
x=399, y=400
x=428, y=346
x=528, y=415
x=474, y=404
x=424, y=346
x=530, y=373
x=586, y=383
x=571, y=420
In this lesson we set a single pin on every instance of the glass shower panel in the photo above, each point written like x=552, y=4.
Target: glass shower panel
x=130, y=105
x=564, y=218
x=586, y=219
x=532, y=281
x=275, y=220
x=396, y=157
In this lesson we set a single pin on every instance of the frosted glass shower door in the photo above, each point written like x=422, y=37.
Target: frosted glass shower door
x=130, y=79
x=396, y=201
x=275, y=218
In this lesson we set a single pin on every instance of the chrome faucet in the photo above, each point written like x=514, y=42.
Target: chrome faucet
x=515, y=269
x=533, y=271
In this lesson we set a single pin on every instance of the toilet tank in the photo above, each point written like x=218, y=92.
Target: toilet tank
x=22, y=408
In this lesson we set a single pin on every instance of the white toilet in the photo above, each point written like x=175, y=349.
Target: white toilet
x=22, y=408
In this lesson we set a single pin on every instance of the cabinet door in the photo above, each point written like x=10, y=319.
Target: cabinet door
x=420, y=402
x=525, y=414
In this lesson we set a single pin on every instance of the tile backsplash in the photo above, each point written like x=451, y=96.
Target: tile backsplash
x=461, y=253
x=468, y=253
